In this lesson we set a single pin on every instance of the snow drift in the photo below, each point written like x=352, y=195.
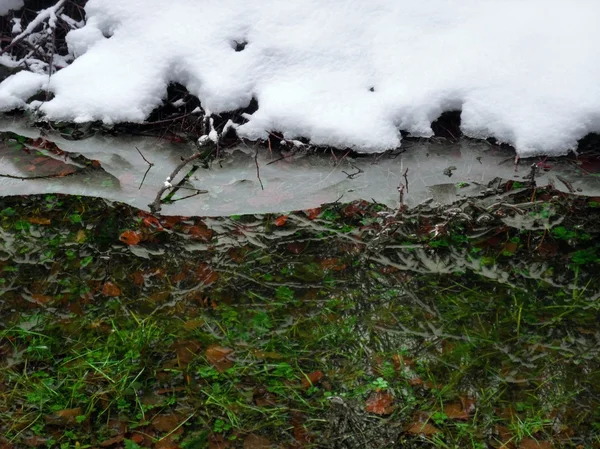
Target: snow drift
x=345, y=73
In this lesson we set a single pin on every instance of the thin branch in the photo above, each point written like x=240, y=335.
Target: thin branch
x=257, y=169
x=155, y=205
x=150, y=165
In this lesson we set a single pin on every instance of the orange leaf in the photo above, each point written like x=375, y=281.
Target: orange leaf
x=310, y=379
x=110, y=289
x=380, y=403
x=311, y=214
x=131, y=237
x=218, y=357
x=280, y=221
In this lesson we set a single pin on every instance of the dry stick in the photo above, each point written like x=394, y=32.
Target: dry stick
x=353, y=175
x=257, y=169
x=566, y=183
x=150, y=165
x=406, y=179
x=155, y=205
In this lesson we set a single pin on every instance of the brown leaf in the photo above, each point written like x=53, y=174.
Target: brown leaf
x=530, y=443
x=64, y=417
x=218, y=357
x=39, y=221
x=311, y=379
x=253, y=441
x=131, y=237
x=422, y=428
x=110, y=289
x=193, y=324
x=198, y=232
x=216, y=441
x=380, y=403
x=332, y=264
x=205, y=274
x=186, y=351
x=296, y=248
x=455, y=410
x=41, y=299
x=166, y=423
x=311, y=214
x=112, y=441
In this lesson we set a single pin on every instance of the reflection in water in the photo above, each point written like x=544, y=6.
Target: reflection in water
x=440, y=171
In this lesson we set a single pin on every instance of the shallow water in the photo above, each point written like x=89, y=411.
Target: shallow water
x=440, y=171
x=349, y=325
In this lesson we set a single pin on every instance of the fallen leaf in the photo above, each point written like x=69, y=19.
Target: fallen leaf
x=110, y=289
x=41, y=299
x=131, y=237
x=64, y=417
x=112, y=441
x=138, y=278
x=193, y=324
x=205, y=274
x=530, y=443
x=311, y=379
x=332, y=264
x=253, y=441
x=198, y=232
x=455, y=410
x=216, y=441
x=380, y=403
x=296, y=248
x=218, y=357
x=39, y=221
x=280, y=221
x=301, y=435
x=166, y=423
x=311, y=214
x=186, y=351
x=422, y=428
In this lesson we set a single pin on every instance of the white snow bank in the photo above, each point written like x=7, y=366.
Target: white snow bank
x=7, y=5
x=17, y=88
x=346, y=73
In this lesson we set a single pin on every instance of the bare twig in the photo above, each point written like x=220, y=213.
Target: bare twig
x=406, y=179
x=155, y=206
x=353, y=175
x=567, y=184
x=257, y=169
x=150, y=165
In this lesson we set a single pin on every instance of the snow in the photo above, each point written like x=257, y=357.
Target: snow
x=18, y=88
x=344, y=73
x=7, y=5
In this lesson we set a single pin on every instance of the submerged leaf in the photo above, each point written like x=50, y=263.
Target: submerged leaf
x=218, y=357
x=131, y=237
x=380, y=403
